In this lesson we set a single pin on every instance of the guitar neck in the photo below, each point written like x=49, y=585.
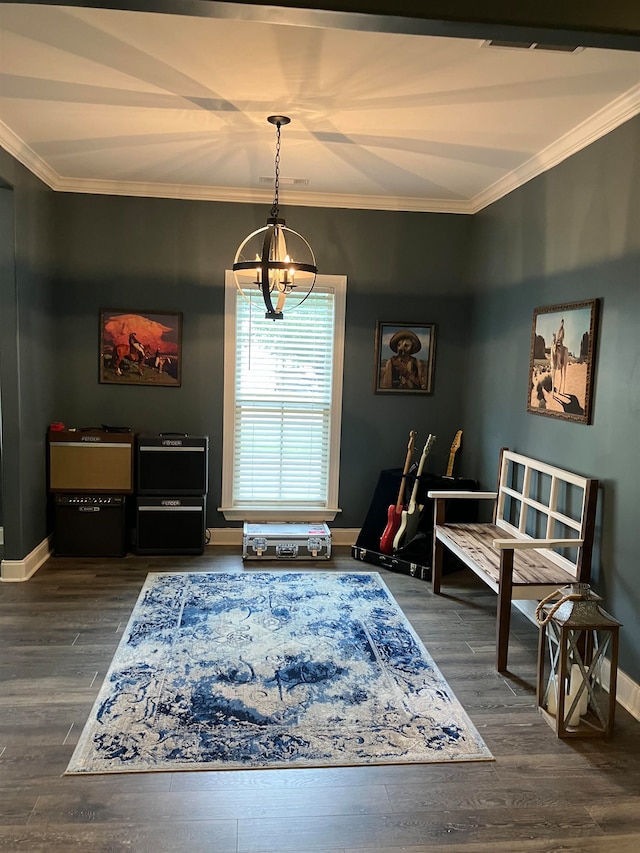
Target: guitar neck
x=423, y=458
x=405, y=471
x=400, y=501
x=452, y=457
x=455, y=446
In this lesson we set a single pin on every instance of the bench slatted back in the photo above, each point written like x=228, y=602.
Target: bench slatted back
x=540, y=501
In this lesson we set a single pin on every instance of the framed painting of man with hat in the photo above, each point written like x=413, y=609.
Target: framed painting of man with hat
x=404, y=358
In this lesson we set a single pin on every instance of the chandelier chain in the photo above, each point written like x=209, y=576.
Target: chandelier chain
x=275, y=209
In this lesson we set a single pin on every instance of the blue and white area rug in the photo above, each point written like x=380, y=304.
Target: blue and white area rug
x=269, y=669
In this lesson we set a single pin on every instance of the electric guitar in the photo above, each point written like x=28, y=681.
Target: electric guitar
x=455, y=446
x=411, y=515
x=394, y=513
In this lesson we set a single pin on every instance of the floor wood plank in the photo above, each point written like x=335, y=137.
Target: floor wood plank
x=60, y=629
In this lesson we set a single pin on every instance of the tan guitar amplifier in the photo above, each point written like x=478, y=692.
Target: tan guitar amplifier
x=91, y=461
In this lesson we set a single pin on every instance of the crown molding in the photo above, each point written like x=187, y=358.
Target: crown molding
x=601, y=123
x=14, y=145
x=250, y=196
x=598, y=125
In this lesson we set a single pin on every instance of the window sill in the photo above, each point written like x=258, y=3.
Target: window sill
x=280, y=514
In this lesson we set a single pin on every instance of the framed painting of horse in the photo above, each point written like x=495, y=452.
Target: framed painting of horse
x=140, y=348
x=562, y=361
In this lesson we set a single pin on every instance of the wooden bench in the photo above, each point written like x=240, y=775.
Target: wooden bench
x=540, y=539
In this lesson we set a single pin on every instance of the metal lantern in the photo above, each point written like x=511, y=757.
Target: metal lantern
x=275, y=260
x=577, y=663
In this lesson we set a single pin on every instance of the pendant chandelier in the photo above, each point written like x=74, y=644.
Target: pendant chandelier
x=276, y=260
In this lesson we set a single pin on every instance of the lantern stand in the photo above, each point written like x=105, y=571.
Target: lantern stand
x=575, y=636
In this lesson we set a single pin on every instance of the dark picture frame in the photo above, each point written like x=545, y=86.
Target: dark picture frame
x=153, y=356
x=562, y=360
x=404, y=358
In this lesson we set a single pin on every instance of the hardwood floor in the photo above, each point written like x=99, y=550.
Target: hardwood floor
x=60, y=629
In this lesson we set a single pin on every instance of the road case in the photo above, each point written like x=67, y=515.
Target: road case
x=286, y=541
x=415, y=557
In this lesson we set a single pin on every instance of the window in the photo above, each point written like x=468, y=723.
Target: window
x=282, y=406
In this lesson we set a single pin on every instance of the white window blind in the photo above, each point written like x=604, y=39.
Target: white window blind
x=282, y=418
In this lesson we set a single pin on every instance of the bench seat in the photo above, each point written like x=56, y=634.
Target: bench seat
x=473, y=544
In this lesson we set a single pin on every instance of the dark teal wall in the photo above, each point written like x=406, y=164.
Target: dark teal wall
x=158, y=254
x=27, y=363
x=569, y=235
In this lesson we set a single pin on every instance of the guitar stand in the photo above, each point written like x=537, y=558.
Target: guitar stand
x=415, y=557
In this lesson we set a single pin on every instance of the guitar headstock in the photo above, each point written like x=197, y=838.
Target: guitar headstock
x=427, y=447
x=455, y=446
x=412, y=441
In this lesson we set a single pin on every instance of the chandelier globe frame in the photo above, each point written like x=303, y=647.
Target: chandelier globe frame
x=276, y=260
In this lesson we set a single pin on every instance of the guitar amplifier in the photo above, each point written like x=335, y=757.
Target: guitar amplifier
x=172, y=464
x=90, y=461
x=89, y=526
x=170, y=525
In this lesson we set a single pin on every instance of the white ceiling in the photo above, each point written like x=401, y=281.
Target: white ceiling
x=139, y=103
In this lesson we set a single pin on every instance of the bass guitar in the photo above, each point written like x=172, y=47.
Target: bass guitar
x=394, y=513
x=411, y=515
x=455, y=446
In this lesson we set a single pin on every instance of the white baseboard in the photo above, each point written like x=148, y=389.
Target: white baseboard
x=22, y=570
x=233, y=535
x=627, y=690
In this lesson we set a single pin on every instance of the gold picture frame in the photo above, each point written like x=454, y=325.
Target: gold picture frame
x=140, y=348
x=562, y=361
x=404, y=358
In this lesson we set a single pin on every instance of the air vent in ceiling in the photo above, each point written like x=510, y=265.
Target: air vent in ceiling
x=532, y=45
x=288, y=182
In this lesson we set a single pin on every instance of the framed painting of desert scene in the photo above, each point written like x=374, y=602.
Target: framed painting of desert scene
x=404, y=356
x=561, y=367
x=140, y=348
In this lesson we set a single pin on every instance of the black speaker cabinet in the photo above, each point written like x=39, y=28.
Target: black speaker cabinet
x=90, y=526
x=90, y=462
x=170, y=525
x=172, y=464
